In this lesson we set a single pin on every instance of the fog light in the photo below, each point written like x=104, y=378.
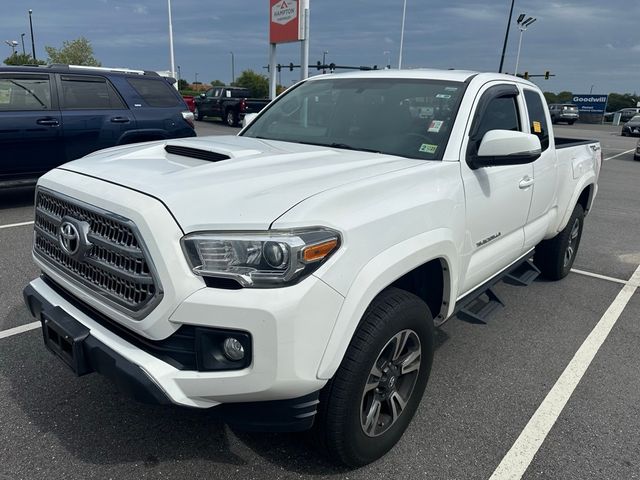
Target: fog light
x=233, y=349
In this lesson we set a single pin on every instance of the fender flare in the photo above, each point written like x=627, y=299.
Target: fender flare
x=378, y=274
x=584, y=183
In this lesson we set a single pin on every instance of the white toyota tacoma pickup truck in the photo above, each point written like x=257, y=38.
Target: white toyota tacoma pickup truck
x=292, y=276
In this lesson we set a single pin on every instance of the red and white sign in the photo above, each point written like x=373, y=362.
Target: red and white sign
x=285, y=24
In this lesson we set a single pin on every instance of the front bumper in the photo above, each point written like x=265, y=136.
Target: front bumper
x=289, y=329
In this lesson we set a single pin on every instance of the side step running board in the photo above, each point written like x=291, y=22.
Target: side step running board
x=477, y=306
x=523, y=275
x=479, y=309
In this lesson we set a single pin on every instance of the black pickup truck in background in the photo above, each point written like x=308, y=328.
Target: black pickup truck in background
x=231, y=104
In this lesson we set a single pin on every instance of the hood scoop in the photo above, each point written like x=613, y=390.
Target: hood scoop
x=190, y=152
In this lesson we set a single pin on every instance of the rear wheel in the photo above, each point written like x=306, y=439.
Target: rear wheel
x=555, y=257
x=231, y=118
x=367, y=406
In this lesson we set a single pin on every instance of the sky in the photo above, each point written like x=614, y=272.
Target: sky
x=587, y=44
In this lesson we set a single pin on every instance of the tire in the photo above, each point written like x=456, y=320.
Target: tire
x=623, y=133
x=394, y=317
x=571, y=122
x=198, y=114
x=230, y=118
x=555, y=257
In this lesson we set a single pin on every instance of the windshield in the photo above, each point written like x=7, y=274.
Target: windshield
x=635, y=119
x=407, y=117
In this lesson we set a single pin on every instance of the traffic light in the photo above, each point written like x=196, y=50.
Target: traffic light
x=526, y=75
x=546, y=75
x=279, y=67
x=332, y=66
x=291, y=67
x=318, y=65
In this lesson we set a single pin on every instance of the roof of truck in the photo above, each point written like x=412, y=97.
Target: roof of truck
x=425, y=73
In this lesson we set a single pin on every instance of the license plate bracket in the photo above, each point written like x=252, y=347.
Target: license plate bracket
x=65, y=336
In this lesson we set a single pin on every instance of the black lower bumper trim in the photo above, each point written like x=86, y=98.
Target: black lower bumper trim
x=83, y=353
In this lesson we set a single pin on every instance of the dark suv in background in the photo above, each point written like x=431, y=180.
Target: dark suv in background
x=563, y=112
x=51, y=115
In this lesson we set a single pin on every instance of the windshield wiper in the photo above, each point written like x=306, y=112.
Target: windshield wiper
x=350, y=147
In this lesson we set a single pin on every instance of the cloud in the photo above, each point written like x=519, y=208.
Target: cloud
x=140, y=9
x=474, y=13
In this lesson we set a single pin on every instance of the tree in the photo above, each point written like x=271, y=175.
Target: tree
x=257, y=83
x=217, y=83
x=22, y=59
x=74, y=52
x=182, y=84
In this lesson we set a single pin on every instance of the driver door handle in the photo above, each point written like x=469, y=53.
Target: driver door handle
x=120, y=120
x=526, y=182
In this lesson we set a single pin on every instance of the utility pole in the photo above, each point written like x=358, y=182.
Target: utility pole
x=506, y=37
x=33, y=43
x=404, y=14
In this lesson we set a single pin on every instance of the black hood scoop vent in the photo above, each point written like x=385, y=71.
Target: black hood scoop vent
x=196, y=153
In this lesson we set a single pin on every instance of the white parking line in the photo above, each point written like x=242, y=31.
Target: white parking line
x=620, y=154
x=601, y=277
x=11, y=225
x=520, y=456
x=21, y=329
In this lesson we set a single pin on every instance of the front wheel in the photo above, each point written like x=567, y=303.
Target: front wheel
x=197, y=114
x=367, y=406
x=555, y=257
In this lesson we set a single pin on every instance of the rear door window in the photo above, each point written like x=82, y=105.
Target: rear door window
x=537, y=117
x=84, y=92
x=25, y=92
x=156, y=92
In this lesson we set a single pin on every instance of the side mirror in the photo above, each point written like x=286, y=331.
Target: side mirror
x=506, y=147
x=248, y=118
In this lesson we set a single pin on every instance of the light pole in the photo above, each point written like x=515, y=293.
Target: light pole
x=22, y=38
x=33, y=43
x=13, y=44
x=233, y=68
x=591, y=89
x=324, y=60
x=404, y=14
x=506, y=37
x=179, y=74
x=388, y=54
x=522, y=25
x=173, y=60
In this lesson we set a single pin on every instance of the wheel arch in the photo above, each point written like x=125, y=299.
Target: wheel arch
x=395, y=267
x=583, y=195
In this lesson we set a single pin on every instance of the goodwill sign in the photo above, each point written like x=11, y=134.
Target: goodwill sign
x=590, y=103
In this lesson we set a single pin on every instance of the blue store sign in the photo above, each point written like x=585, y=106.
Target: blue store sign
x=590, y=103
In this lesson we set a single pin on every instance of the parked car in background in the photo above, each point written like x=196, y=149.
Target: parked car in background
x=563, y=112
x=632, y=127
x=230, y=104
x=51, y=115
x=190, y=101
x=627, y=114
x=636, y=156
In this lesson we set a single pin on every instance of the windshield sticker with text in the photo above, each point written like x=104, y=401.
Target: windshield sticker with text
x=435, y=126
x=428, y=148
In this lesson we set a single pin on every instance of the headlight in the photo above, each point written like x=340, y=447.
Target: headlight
x=260, y=259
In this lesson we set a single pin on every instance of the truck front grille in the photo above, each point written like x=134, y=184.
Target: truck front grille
x=110, y=260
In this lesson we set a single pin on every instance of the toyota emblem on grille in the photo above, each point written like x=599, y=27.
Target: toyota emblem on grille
x=69, y=238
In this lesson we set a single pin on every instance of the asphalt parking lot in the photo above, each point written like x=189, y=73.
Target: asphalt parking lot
x=491, y=385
